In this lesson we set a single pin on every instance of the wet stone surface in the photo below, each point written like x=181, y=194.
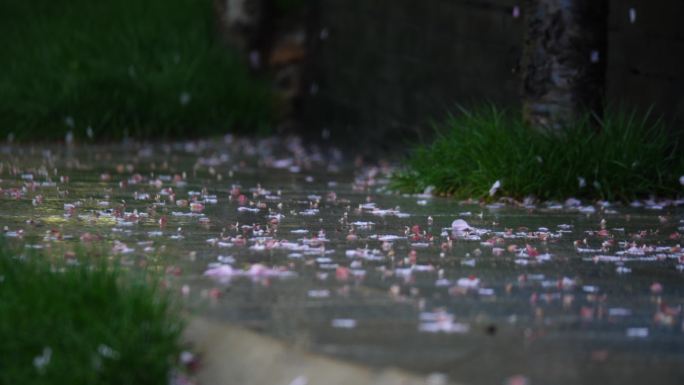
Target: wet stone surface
x=308, y=246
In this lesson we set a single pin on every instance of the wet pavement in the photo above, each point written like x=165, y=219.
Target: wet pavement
x=307, y=245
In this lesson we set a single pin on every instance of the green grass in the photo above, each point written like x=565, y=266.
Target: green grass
x=99, y=325
x=626, y=157
x=138, y=68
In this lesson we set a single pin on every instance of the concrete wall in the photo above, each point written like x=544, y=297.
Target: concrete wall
x=382, y=68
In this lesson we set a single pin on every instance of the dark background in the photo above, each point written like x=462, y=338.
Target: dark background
x=382, y=69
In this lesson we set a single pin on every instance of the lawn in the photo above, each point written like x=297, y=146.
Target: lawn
x=84, y=321
x=109, y=69
x=621, y=157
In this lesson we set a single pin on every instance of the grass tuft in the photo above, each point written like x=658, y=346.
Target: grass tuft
x=110, y=69
x=88, y=323
x=624, y=158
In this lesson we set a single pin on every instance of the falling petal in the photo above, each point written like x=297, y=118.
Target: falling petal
x=495, y=187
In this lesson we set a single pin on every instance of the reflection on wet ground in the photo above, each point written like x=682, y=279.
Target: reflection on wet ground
x=308, y=246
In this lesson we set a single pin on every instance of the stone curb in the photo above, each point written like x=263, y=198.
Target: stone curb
x=235, y=355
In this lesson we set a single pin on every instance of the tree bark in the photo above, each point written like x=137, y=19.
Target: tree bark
x=273, y=41
x=564, y=58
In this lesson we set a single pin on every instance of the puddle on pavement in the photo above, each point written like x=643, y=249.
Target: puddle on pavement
x=300, y=244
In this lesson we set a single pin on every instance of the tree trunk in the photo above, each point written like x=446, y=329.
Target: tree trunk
x=564, y=58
